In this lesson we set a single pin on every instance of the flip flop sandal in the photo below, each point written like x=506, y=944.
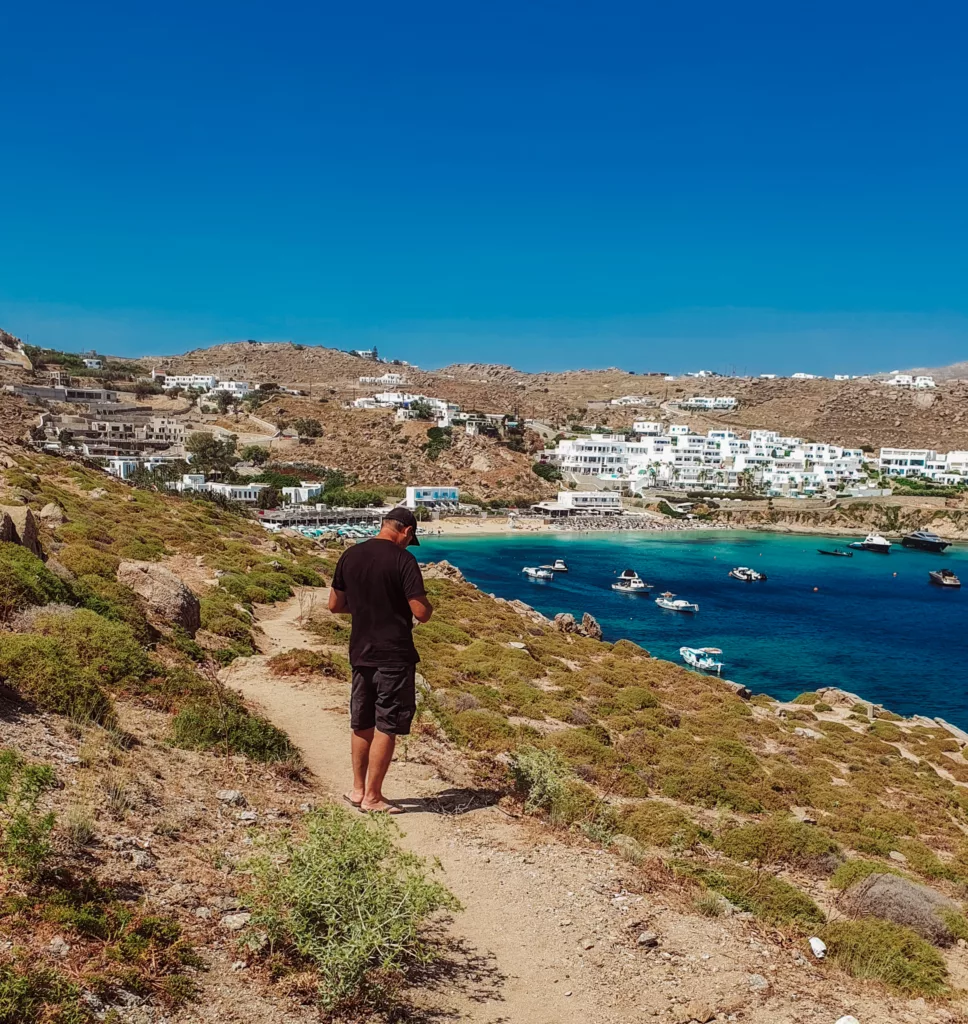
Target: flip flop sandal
x=353, y=803
x=391, y=808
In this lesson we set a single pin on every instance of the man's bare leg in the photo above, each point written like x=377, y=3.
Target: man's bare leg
x=381, y=754
x=360, y=750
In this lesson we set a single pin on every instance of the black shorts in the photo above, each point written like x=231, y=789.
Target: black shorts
x=384, y=697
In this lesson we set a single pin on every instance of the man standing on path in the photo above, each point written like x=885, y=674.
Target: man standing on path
x=379, y=583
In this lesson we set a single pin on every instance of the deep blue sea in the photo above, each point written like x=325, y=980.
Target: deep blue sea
x=874, y=625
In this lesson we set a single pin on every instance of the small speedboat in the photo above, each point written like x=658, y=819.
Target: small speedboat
x=558, y=565
x=746, y=574
x=701, y=658
x=873, y=542
x=533, y=572
x=630, y=582
x=925, y=540
x=837, y=553
x=944, y=578
x=671, y=603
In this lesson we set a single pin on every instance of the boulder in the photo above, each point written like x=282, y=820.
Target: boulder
x=17, y=524
x=590, y=627
x=169, y=602
x=908, y=903
x=52, y=515
x=565, y=622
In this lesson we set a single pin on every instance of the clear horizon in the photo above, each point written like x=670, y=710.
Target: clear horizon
x=753, y=189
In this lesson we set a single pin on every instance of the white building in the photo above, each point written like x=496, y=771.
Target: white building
x=633, y=400
x=767, y=376
x=302, y=494
x=582, y=503
x=804, y=376
x=201, y=381
x=244, y=492
x=388, y=379
x=718, y=460
x=723, y=403
x=236, y=388
x=404, y=402
x=431, y=497
x=93, y=364
x=648, y=427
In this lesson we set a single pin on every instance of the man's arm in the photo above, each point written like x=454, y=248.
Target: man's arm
x=338, y=602
x=422, y=609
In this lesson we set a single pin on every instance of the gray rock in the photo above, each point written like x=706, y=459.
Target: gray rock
x=203, y=913
x=758, y=983
x=648, y=940
x=247, y=816
x=809, y=734
x=59, y=946
x=898, y=856
x=168, y=600
x=142, y=860
x=230, y=796
x=590, y=627
x=896, y=899
x=52, y=515
x=235, y=922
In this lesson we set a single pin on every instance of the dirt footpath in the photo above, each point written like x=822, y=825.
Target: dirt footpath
x=554, y=931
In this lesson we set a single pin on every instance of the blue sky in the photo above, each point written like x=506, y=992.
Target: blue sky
x=756, y=186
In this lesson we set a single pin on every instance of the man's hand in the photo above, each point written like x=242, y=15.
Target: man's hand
x=338, y=602
x=422, y=609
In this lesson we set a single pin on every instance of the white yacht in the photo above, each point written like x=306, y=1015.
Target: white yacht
x=702, y=658
x=630, y=582
x=558, y=565
x=533, y=572
x=873, y=542
x=746, y=574
x=671, y=603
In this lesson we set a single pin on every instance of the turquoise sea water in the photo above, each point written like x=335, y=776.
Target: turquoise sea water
x=894, y=639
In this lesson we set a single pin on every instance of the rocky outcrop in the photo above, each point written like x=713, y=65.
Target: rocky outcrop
x=17, y=524
x=896, y=899
x=168, y=601
x=441, y=570
x=52, y=515
x=565, y=622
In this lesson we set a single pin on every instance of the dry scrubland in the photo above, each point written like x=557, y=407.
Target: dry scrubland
x=129, y=873
x=852, y=413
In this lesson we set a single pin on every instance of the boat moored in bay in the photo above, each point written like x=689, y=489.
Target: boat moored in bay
x=630, y=582
x=873, y=542
x=747, y=575
x=944, y=578
x=534, y=573
x=925, y=540
x=701, y=658
x=558, y=565
x=671, y=603
x=837, y=553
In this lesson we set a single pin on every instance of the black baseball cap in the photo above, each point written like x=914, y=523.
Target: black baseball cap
x=406, y=518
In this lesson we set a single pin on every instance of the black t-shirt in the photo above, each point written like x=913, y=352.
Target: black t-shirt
x=378, y=579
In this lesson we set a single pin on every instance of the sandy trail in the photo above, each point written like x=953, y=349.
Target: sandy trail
x=549, y=932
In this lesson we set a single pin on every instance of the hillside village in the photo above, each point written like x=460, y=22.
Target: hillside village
x=467, y=426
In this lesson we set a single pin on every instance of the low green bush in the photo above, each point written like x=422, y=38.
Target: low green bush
x=347, y=904
x=45, y=671
x=889, y=953
x=769, y=898
x=483, y=730
x=113, y=600
x=84, y=560
x=300, y=662
x=39, y=995
x=330, y=630
x=24, y=833
x=224, y=725
x=654, y=823
x=779, y=840
x=25, y=581
x=856, y=870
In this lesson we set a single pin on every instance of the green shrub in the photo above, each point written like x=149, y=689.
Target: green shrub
x=330, y=630
x=225, y=726
x=770, y=899
x=37, y=995
x=24, y=834
x=84, y=560
x=654, y=823
x=108, y=650
x=541, y=776
x=856, y=870
x=25, y=581
x=113, y=600
x=635, y=698
x=346, y=903
x=807, y=698
x=888, y=953
x=45, y=671
x=299, y=662
x=483, y=730
x=779, y=840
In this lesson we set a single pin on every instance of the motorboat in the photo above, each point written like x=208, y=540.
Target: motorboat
x=837, y=553
x=558, y=565
x=630, y=582
x=925, y=540
x=873, y=542
x=944, y=578
x=746, y=574
x=533, y=572
x=702, y=658
x=671, y=603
